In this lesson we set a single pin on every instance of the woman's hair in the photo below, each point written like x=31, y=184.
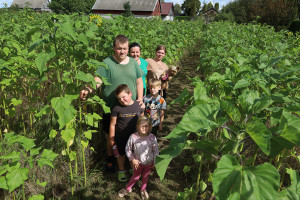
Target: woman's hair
x=135, y=44
x=121, y=39
x=144, y=119
x=161, y=47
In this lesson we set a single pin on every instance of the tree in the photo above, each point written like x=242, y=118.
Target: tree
x=177, y=9
x=71, y=6
x=217, y=6
x=191, y=7
x=209, y=5
x=127, y=10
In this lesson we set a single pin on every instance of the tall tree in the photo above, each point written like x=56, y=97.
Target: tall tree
x=209, y=5
x=71, y=6
x=177, y=9
x=217, y=6
x=191, y=7
x=127, y=10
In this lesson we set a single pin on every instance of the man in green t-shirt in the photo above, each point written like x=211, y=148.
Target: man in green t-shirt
x=121, y=70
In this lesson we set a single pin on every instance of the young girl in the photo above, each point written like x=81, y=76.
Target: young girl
x=141, y=150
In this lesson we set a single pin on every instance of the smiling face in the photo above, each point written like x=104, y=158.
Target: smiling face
x=135, y=52
x=124, y=98
x=154, y=89
x=121, y=51
x=143, y=128
x=160, y=54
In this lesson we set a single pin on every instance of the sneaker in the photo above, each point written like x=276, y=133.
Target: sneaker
x=123, y=192
x=144, y=194
x=122, y=176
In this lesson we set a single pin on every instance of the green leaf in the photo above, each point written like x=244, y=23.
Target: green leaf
x=64, y=110
x=186, y=169
x=246, y=99
x=200, y=118
x=72, y=155
x=88, y=134
x=16, y=178
x=293, y=191
x=52, y=133
x=3, y=184
x=15, y=156
x=35, y=151
x=232, y=181
x=46, y=158
x=260, y=134
x=68, y=28
x=41, y=184
x=68, y=135
x=45, y=110
x=166, y=155
x=289, y=127
x=37, y=197
x=231, y=110
x=41, y=61
x=84, y=143
x=241, y=84
x=262, y=103
x=183, y=98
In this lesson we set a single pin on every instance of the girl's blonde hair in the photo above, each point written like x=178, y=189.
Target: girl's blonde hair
x=144, y=119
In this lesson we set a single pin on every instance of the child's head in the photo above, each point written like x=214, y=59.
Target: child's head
x=123, y=94
x=144, y=125
x=154, y=86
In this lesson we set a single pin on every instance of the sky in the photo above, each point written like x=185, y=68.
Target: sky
x=221, y=2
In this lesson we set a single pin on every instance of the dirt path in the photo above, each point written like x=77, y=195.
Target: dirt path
x=107, y=185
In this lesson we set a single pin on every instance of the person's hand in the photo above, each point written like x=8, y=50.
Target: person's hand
x=112, y=142
x=135, y=164
x=84, y=93
x=141, y=103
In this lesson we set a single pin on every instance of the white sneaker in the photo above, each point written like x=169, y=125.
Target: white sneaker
x=144, y=194
x=123, y=192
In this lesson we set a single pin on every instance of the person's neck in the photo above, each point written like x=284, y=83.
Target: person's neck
x=131, y=102
x=121, y=61
x=157, y=60
x=155, y=95
x=143, y=136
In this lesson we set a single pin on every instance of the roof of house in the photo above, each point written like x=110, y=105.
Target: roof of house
x=165, y=8
x=210, y=9
x=136, y=5
x=32, y=3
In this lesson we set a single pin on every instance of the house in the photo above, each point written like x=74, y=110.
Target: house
x=209, y=15
x=39, y=5
x=167, y=11
x=140, y=8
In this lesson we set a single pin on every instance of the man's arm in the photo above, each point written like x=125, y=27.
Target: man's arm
x=112, y=130
x=140, y=89
x=88, y=89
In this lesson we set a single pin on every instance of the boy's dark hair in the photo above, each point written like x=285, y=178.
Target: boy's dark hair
x=121, y=39
x=135, y=44
x=122, y=88
x=161, y=47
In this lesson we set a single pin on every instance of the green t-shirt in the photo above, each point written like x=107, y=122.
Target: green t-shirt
x=116, y=75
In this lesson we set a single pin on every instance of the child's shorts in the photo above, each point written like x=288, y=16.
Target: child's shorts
x=121, y=142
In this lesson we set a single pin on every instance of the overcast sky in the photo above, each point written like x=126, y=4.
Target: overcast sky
x=221, y=2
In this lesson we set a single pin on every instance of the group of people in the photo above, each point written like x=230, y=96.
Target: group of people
x=137, y=111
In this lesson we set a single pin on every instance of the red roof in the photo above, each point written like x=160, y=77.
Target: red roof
x=165, y=8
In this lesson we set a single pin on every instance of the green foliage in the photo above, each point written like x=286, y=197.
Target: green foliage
x=177, y=9
x=191, y=7
x=16, y=165
x=246, y=101
x=277, y=13
x=71, y=6
x=127, y=10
